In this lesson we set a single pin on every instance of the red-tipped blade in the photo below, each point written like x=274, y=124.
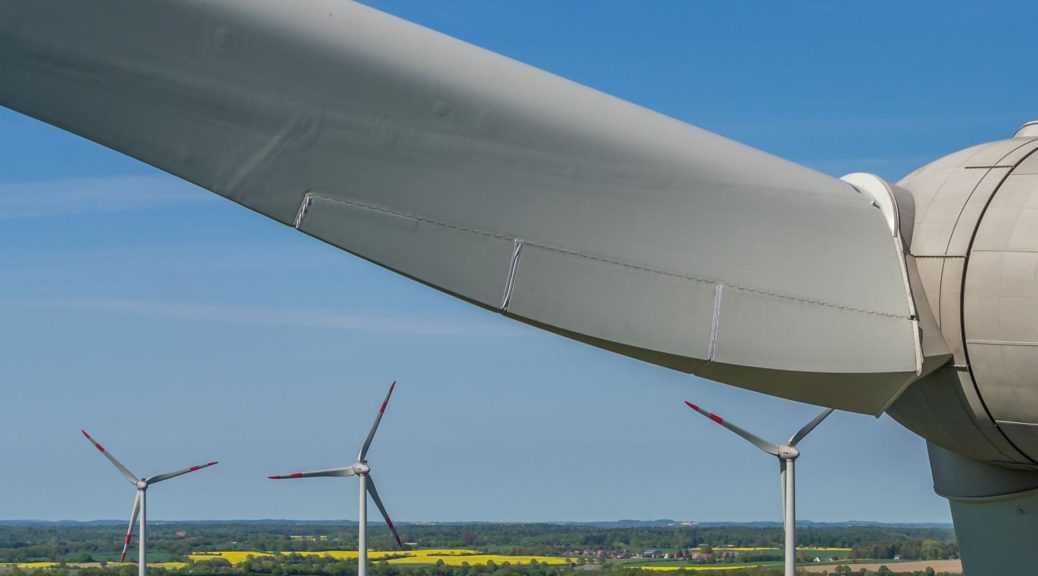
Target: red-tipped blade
x=133, y=523
x=382, y=509
x=378, y=418
x=348, y=471
x=749, y=436
x=122, y=469
x=160, y=477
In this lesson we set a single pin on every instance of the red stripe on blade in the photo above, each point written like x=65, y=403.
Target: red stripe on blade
x=716, y=418
x=127, y=537
x=386, y=401
x=296, y=475
x=692, y=406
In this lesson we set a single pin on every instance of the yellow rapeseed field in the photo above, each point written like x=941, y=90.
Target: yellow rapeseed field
x=458, y=560
x=449, y=556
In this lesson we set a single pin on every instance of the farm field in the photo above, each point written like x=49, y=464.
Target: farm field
x=449, y=556
x=954, y=566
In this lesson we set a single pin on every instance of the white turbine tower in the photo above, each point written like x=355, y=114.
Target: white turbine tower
x=362, y=471
x=787, y=453
x=139, y=502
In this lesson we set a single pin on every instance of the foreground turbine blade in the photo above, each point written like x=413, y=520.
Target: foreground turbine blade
x=126, y=473
x=160, y=477
x=133, y=522
x=490, y=180
x=382, y=509
x=803, y=432
x=749, y=436
x=348, y=471
x=371, y=434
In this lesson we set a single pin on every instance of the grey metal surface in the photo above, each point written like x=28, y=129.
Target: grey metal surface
x=496, y=182
x=995, y=510
x=1000, y=312
x=975, y=238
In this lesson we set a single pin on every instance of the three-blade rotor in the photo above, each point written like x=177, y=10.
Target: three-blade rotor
x=141, y=484
x=359, y=468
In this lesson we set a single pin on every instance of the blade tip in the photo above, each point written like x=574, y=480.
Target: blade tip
x=692, y=406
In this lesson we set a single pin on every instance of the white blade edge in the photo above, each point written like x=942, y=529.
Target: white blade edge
x=381, y=508
x=501, y=184
x=746, y=435
x=133, y=523
x=160, y=477
x=122, y=469
x=803, y=432
x=332, y=472
x=378, y=418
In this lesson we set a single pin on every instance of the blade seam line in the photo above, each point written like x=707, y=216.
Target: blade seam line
x=304, y=207
x=584, y=255
x=716, y=324
x=514, y=265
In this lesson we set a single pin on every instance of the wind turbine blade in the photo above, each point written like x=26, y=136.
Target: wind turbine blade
x=371, y=435
x=749, y=436
x=133, y=523
x=126, y=473
x=382, y=509
x=160, y=477
x=348, y=471
x=803, y=432
x=782, y=482
x=490, y=180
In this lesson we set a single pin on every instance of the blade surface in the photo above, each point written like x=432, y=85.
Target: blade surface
x=501, y=184
x=160, y=477
x=378, y=418
x=348, y=471
x=133, y=523
x=122, y=469
x=803, y=432
x=749, y=436
x=382, y=509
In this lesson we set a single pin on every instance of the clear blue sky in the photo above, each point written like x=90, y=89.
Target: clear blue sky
x=178, y=327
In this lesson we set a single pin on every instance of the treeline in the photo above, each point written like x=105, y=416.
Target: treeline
x=907, y=550
x=173, y=541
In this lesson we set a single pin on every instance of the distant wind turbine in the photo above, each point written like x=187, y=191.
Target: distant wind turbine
x=362, y=471
x=787, y=454
x=139, y=502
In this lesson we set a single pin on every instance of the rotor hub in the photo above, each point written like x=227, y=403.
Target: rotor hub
x=142, y=484
x=787, y=452
x=361, y=467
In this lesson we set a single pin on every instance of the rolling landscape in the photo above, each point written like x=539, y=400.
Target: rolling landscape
x=286, y=548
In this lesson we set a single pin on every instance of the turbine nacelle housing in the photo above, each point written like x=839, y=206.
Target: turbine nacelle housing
x=787, y=452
